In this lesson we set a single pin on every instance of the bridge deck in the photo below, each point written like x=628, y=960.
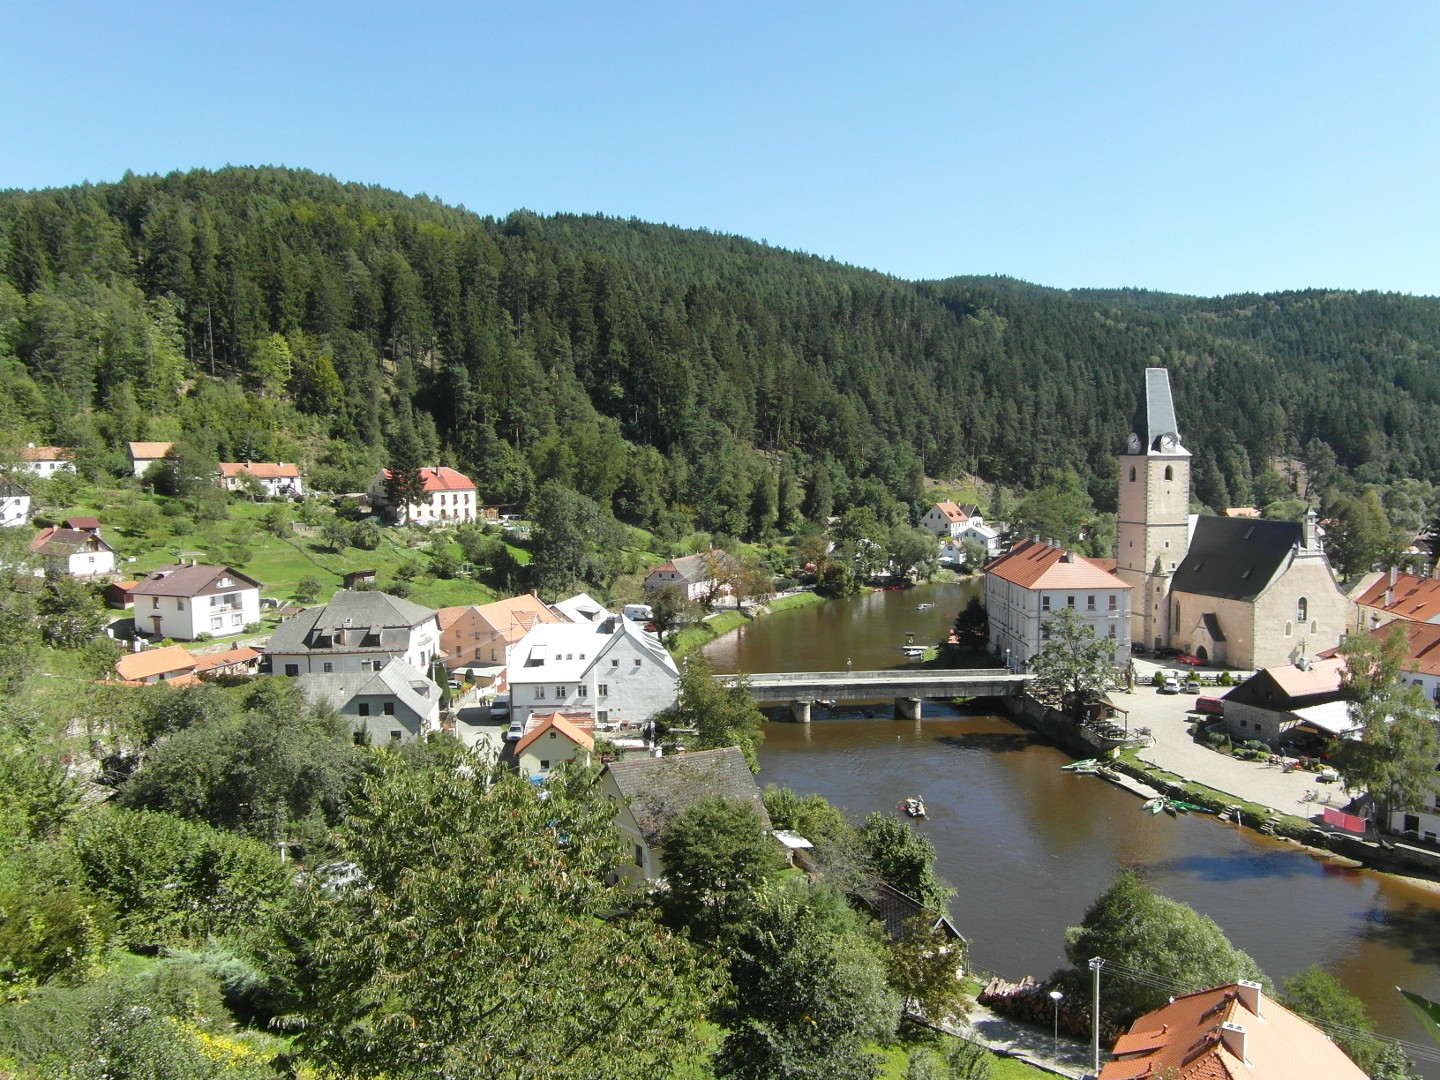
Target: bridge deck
x=859, y=685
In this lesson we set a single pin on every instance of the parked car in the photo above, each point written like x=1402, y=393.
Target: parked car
x=1214, y=706
x=1166, y=653
x=1192, y=686
x=516, y=731
x=1171, y=685
x=1138, y=648
x=501, y=705
x=1189, y=658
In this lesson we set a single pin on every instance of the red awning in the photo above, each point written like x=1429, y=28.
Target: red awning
x=1340, y=820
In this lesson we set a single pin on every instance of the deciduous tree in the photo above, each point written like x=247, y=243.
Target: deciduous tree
x=1073, y=661
x=721, y=715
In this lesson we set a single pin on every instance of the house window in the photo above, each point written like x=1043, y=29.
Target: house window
x=388, y=708
x=1069, y=601
x=602, y=717
x=1089, y=603
x=154, y=602
x=1112, y=631
x=637, y=661
x=327, y=667
x=552, y=734
x=581, y=691
x=603, y=689
x=640, y=855
x=1044, y=603
x=217, y=623
x=363, y=708
x=1113, y=603
x=395, y=736
x=539, y=693
x=544, y=763
x=179, y=604
x=559, y=691
x=1132, y=474
x=292, y=669
x=614, y=663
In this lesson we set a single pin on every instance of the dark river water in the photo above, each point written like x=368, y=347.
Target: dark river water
x=1028, y=847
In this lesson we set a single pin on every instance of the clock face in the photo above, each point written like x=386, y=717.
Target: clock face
x=1134, y=443
x=1167, y=442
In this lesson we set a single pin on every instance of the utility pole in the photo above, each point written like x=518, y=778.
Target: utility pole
x=1095, y=964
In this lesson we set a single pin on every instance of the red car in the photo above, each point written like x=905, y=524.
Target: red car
x=1187, y=658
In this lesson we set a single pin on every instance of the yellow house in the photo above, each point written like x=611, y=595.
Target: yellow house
x=551, y=738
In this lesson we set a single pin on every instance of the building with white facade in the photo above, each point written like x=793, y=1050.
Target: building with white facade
x=551, y=739
x=449, y=497
x=277, y=479
x=354, y=632
x=145, y=454
x=1033, y=580
x=46, y=461
x=949, y=519
x=76, y=548
x=184, y=600
x=611, y=670
x=14, y=504
x=397, y=703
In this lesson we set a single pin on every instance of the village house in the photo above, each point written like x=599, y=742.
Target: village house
x=648, y=792
x=75, y=548
x=1385, y=597
x=241, y=661
x=693, y=575
x=553, y=738
x=611, y=670
x=187, y=599
x=580, y=608
x=355, y=631
x=396, y=703
x=1029, y=583
x=14, y=503
x=1229, y=1031
x=949, y=519
x=449, y=497
x=276, y=479
x=477, y=637
x=1243, y=592
x=46, y=461
x=1289, y=702
x=172, y=664
x=145, y=454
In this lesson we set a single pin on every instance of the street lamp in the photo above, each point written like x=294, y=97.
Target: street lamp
x=1055, y=996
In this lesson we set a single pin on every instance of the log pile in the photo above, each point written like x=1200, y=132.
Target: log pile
x=1030, y=1003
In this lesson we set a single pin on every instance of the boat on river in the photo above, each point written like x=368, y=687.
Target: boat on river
x=915, y=807
x=923, y=607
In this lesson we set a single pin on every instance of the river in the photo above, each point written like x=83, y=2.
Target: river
x=1027, y=847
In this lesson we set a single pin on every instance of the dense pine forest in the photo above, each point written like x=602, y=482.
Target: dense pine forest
x=680, y=378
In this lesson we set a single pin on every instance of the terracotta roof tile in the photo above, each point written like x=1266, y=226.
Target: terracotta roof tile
x=261, y=470
x=144, y=451
x=1035, y=565
x=571, y=725
x=443, y=479
x=1411, y=597
x=135, y=667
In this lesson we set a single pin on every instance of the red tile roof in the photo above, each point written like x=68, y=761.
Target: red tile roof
x=570, y=725
x=443, y=479
x=145, y=451
x=952, y=511
x=1227, y=1033
x=46, y=453
x=137, y=667
x=1411, y=597
x=211, y=661
x=1035, y=565
x=262, y=470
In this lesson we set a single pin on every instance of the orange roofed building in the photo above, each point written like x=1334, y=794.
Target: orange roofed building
x=478, y=636
x=1030, y=582
x=449, y=497
x=1393, y=596
x=1227, y=1033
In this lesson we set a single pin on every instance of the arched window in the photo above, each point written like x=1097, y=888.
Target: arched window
x=1315, y=626
x=1289, y=629
x=1132, y=474
x=1169, y=472
x=1302, y=609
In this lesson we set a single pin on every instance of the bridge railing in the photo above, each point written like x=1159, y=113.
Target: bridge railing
x=923, y=674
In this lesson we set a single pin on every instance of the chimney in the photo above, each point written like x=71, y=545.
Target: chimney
x=1248, y=993
x=1067, y=556
x=1232, y=1037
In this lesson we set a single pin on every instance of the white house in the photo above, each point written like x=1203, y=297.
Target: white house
x=14, y=504
x=145, y=454
x=354, y=632
x=45, y=461
x=187, y=599
x=76, y=548
x=611, y=670
x=277, y=479
x=1026, y=585
x=398, y=703
x=950, y=518
x=982, y=534
x=694, y=575
x=449, y=496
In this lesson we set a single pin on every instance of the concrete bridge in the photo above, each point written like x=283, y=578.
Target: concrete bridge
x=908, y=688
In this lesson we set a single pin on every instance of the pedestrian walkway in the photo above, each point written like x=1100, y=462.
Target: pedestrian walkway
x=1061, y=1055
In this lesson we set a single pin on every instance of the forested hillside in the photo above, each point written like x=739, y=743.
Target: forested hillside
x=679, y=377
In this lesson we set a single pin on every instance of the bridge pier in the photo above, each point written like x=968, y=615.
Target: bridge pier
x=800, y=711
x=908, y=708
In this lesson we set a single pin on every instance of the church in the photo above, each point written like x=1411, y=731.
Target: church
x=1239, y=592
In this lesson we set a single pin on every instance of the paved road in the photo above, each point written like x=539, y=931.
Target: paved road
x=1174, y=750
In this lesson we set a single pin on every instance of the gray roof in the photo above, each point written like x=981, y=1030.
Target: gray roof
x=397, y=679
x=353, y=621
x=9, y=489
x=1155, y=412
x=193, y=579
x=895, y=910
x=659, y=788
x=1236, y=558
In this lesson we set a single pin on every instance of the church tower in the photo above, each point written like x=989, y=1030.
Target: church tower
x=1152, y=527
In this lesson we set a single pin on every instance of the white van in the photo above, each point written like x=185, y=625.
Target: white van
x=638, y=612
x=501, y=705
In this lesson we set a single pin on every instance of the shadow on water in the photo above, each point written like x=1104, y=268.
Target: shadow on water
x=1416, y=930
x=991, y=742
x=1230, y=867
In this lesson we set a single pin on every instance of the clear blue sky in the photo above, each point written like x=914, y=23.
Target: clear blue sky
x=1200, y=148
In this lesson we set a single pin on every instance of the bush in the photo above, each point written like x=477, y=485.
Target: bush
x=1157, y=680
x=252, y=627
x=204, y=635
x=1225, y=679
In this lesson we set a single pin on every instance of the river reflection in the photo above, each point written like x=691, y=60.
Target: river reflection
x=1028, y=846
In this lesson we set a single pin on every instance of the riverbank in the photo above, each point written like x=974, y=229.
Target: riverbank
x=721, y=623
